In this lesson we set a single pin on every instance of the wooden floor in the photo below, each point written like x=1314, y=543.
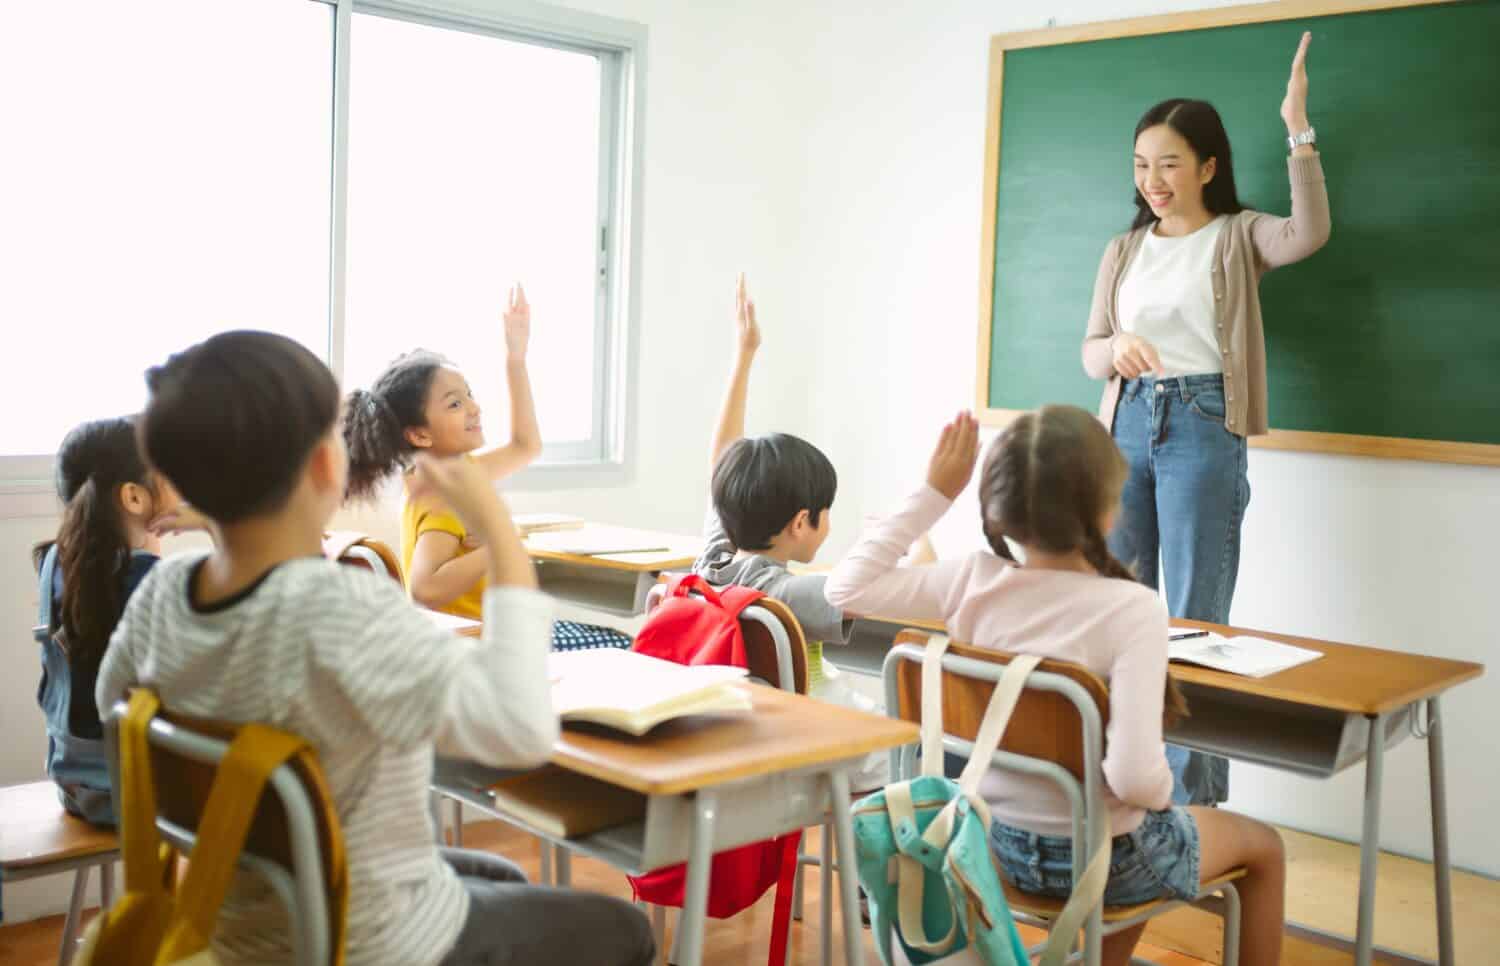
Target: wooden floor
x=738, y=940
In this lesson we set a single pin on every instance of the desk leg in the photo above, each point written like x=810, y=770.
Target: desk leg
x=695, y=895
x=1369, y=841
x=564, y=863
x=825, y=892
x=1439, y=779
x=843, y=824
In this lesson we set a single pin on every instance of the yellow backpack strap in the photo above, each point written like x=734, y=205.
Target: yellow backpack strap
x=145, y=871
x=255, y=752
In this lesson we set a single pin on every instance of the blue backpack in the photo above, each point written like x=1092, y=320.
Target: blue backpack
x=923, y=853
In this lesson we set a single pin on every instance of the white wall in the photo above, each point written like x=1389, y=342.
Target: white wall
x=834, y=153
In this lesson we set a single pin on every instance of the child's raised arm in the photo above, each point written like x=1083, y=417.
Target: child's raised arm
x=869, y=581
x=525, y=436
x=731, y=425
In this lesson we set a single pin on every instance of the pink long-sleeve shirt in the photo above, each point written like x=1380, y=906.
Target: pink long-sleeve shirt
x=1116, y=628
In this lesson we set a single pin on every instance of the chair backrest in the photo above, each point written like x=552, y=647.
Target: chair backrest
x=773, y=637
x=771, y=631
x=360, y=550
x=1044, y=725
x=291, y=840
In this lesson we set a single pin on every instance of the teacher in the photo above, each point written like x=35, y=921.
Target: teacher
x=1176, y=331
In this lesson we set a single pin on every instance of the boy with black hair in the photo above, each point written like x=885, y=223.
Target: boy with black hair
x=771, y=500
x=265, y=629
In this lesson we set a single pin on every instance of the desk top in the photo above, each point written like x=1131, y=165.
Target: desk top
x=680, y=553
x=783, y=732
x=36, y=831
x=1348, y=677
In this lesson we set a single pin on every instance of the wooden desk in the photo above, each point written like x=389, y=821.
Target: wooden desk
x=614, y=583
x=1315, y=720
x=713, y=782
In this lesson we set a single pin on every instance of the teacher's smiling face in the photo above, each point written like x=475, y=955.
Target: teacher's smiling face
x=1169, y=174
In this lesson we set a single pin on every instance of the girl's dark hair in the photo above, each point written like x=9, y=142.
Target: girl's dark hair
x=233, y=420
x=1203, y=129
x=93, y=550
x=376, y=421
x=1048, y=480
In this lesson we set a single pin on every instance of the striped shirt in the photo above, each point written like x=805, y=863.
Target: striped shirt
x=339, y=656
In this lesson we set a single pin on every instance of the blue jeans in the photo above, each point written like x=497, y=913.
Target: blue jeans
x=1158, y=860
x=1183, y=504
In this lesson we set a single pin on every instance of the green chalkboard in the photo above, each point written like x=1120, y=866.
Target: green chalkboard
x=1393, y=329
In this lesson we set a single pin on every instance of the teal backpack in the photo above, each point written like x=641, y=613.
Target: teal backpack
x=923, y=853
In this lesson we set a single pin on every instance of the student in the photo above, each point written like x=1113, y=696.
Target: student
x=115, y=511
x=423, y=404
x=265, y=629
x=1051, y=485
x=771, y=497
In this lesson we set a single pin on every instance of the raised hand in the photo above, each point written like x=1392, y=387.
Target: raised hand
x=744, y=317
x=1294, y=105
x=517, y=322
x=953, y=459
x=180, y=519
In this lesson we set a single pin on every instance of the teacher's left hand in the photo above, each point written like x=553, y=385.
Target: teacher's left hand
x=1294, y=105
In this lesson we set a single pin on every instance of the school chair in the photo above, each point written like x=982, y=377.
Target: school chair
x=1057, y=733
x=39, y=838
x=359, y=550
x=293, y=838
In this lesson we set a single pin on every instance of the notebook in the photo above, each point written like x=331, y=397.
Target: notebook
x=1253, y=657
x=565, y=804
x=529, y=523
x=596, y=541
x=634, y=693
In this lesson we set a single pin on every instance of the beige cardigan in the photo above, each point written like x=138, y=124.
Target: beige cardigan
x=1251, y=244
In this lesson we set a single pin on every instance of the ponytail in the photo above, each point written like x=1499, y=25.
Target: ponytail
x=376, y=421
x=93, y=552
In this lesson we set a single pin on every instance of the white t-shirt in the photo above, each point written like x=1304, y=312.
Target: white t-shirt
x=1167, y=298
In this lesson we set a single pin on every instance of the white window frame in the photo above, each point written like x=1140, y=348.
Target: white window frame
x=606, y=459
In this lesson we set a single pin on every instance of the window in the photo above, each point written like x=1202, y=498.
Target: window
x=474, y=163
x=158, y=184
x=185, y=170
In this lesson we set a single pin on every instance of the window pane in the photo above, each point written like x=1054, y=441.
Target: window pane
x=473, y=163
x=166, y=176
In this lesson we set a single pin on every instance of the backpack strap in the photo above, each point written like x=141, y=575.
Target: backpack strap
x=44, y=628
x=732, y=599
x=239, y=782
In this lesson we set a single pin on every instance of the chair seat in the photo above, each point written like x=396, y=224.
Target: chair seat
x=1047, y=908
x=36, y=832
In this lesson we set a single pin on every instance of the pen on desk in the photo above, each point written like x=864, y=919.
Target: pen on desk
x=1187, y=636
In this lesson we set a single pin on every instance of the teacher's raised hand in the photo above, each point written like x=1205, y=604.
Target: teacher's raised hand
x=1134, y=356
x=1294, y=105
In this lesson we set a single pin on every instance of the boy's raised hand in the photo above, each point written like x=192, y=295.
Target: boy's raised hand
x=953, y=460
x=180, y=519
x=744, y=316
x=517, y=322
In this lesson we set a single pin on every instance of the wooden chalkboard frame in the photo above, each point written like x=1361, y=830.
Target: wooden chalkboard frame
x=1343, y=443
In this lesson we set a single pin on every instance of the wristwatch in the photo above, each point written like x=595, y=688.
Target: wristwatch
x=1309, y=136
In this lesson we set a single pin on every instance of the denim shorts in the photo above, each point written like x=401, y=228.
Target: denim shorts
x=1159, y=860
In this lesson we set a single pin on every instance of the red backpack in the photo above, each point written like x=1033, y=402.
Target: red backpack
x=695, y=624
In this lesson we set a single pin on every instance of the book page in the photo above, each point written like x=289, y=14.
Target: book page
x=1253, y=657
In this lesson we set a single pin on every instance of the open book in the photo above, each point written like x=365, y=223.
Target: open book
x=1253, y=657
x=565, y=804
x=529, y=523
x=634, y=693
